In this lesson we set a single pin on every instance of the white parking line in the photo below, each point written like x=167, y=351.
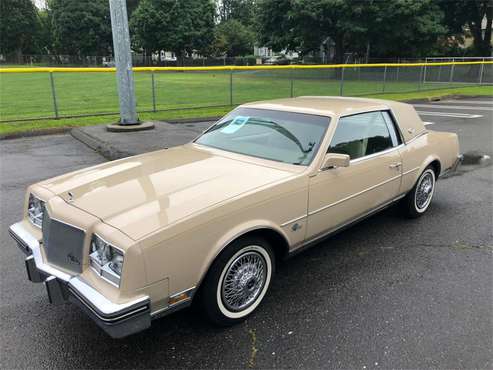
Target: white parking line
x=476, y=102
x=447, y=114
x=461, y=107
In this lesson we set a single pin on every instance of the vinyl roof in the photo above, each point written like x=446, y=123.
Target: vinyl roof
x=325, y=105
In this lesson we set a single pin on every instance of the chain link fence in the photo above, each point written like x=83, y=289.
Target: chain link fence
x=27, y=94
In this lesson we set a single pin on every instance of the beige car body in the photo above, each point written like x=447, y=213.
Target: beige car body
x=174, y=210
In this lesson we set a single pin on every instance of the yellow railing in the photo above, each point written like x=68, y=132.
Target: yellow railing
x=234, y=68
x=26, y=96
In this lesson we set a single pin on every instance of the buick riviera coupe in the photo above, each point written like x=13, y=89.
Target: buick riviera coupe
x=205, y=223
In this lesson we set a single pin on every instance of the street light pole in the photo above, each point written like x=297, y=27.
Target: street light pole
x=123, y=62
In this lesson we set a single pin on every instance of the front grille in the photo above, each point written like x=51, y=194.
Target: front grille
x=63, y=244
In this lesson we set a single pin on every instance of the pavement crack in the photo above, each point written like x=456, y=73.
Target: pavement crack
x=253, y=348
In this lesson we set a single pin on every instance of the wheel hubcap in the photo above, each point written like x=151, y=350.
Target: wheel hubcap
x=424, y=191
x=243, y=281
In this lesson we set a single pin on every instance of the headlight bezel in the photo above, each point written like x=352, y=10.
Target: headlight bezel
x=32, y=204
x=104, y=259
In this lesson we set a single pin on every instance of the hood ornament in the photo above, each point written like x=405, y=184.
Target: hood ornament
x=70, y=196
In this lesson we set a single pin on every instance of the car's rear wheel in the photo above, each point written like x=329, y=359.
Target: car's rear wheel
x=237, y=281
x=418, y=200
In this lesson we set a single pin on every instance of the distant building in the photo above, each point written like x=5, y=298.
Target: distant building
x=262, y=52
x=266, y=52
x=164, y=56
x=468, y=39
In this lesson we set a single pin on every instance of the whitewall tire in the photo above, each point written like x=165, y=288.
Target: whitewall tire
x=237, y=281
x=418, y=200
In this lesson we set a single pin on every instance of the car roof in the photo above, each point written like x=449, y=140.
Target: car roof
x=325, y=105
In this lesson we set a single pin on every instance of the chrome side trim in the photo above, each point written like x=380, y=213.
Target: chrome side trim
x=293, y=220
x=344, y=225
x=170, y=309
x=411, y=170
x=161, y=312
x=370, y=156
x=353, y=195
x=422, y=133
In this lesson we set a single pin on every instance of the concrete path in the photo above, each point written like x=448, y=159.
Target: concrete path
x=119, y=145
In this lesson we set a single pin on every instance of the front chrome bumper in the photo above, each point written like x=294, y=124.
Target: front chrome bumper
x=118, y=320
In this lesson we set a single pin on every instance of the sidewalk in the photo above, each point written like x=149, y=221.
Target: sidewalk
x=113, y=145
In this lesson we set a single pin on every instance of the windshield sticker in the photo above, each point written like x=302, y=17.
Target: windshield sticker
x=235, y=125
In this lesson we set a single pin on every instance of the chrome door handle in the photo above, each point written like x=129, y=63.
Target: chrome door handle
x=395, y=165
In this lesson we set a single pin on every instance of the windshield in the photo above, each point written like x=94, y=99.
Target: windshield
x=279, y=136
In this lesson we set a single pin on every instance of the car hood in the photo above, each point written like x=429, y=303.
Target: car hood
x=141, y=194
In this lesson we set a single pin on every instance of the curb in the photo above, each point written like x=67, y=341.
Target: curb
x=64, y=130
x=104, y=148
x=192, y=120
x=41, y=132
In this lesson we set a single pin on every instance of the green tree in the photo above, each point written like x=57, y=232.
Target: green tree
x=81, y=27
x=18, y=26
x=131, y=6
x=470, y=13
x=44, y=36
x=240, y=10
x=232, y=38
x=392, y=27
x=279, y=27
x=403, y=28
x=180, y=26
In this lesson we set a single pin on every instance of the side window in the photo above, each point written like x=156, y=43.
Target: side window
x=394, y=134
x=361, y=135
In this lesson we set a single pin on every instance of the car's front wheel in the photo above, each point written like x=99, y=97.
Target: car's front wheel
x=418, y=200
x=237, y=281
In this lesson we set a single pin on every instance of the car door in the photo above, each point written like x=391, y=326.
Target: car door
x=338, y=196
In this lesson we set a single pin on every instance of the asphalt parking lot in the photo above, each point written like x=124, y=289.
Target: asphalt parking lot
x=387, y=293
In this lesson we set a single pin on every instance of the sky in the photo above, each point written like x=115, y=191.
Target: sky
x=40, y=3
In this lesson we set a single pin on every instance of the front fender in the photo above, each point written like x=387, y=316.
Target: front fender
x=235, y=233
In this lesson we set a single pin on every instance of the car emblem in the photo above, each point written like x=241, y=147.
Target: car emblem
x=70, y=196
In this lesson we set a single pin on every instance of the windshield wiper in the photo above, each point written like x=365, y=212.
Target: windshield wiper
x=285, y=132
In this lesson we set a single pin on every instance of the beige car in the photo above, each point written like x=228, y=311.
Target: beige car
x=135, y=239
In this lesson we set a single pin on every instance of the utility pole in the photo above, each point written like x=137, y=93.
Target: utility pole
x=124, y=74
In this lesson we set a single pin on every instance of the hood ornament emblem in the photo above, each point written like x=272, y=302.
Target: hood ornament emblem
x=70, y=196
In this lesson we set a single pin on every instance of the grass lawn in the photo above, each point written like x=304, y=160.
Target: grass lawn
x=28, y=95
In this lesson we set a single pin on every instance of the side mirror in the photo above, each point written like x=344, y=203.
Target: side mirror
x=334, y=160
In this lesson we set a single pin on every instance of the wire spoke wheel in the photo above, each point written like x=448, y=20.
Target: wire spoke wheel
x=243, y=281
x=424, y=191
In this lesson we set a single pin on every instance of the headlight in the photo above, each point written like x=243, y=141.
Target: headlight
x=106, y=260
x=35, y=209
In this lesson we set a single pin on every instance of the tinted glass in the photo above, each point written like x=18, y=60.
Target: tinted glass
x=361, y=135
x=279, y=136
